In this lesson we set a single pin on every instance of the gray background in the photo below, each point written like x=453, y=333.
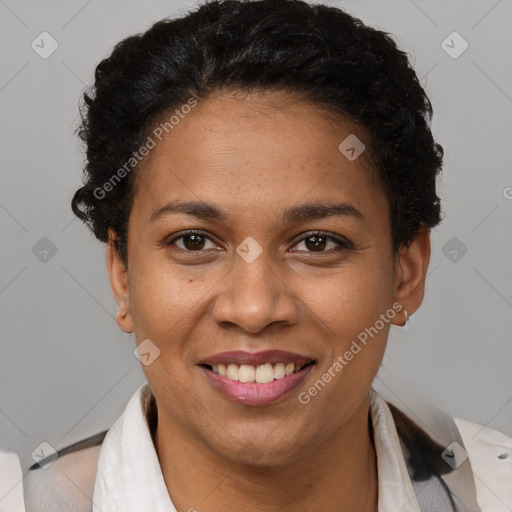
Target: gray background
x=67, y=371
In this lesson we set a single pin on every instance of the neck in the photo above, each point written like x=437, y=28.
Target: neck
x=340, y=473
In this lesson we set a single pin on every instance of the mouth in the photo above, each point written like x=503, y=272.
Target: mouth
x=262, y=374
x=256, y=379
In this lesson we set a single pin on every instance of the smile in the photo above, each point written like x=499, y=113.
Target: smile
x=262, y=374
x=256, y=379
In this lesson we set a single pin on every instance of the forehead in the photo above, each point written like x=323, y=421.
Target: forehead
x=259, y=151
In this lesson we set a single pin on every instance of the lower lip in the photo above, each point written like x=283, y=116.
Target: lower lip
x=253, y=393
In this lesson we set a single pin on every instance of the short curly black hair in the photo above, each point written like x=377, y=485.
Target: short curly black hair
x=326, y=55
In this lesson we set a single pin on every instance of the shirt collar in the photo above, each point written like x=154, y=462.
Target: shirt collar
x=129, y=476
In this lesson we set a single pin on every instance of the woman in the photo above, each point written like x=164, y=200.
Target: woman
x=263, y=174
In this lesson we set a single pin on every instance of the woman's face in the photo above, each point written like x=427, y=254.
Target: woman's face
x=255, y=278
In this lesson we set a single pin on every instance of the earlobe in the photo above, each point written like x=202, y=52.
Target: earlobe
x=411, y=270
x=118, y=276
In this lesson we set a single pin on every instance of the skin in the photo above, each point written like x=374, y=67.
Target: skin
x=253, y=157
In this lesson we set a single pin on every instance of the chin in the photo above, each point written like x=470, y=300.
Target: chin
x=261, y=453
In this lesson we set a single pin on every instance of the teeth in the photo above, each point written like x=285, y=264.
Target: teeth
x=279, y=371
x=232, y=371
x=246, y=373
x=265, y=373
x=262, y=374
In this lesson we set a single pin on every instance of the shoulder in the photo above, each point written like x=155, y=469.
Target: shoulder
x=68, y=482
x=490, y=455
x=11, y=488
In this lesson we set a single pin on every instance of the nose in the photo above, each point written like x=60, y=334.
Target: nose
x=254, y=295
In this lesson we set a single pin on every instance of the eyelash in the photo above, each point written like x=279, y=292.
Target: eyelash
x=342, y=244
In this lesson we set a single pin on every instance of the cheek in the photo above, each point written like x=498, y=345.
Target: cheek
x=347, y=307
x=161, y=294
x=347, y=300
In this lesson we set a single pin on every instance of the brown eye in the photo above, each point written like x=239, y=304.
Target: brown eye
x=318, y=242
x=192, y=241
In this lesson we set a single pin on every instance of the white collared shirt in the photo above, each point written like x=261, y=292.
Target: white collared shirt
x=129, y=477
x=11, y=483
x=121, y=484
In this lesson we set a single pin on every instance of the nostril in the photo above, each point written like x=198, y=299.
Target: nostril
x=503, y=456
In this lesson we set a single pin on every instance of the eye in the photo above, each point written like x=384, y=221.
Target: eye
x=192, y=241
x=317, y=241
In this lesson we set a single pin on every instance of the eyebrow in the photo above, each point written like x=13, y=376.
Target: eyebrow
x=294, y=214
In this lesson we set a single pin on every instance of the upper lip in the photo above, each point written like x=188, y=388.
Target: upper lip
x=257, y=358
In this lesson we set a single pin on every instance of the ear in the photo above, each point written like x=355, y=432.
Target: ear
x=118, y=275
x=411, y=271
